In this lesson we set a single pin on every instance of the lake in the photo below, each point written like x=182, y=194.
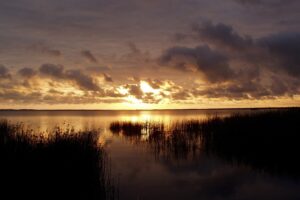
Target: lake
x=141, y=174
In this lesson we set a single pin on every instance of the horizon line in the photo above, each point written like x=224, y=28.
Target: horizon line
x=167, y=109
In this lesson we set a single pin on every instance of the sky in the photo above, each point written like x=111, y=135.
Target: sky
x=149, y=54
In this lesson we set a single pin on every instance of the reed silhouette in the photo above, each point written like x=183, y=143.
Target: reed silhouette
x=63, y=165
x=267, y=141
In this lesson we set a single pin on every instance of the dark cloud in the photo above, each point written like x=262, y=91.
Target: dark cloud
x=246, y=68
x=276, y=51
x=181, y=95
x=135, y=56
x=222, y=35
x=83, y=80
x=113, y=93
x=107, y=77
x=282, y=52
x=54, y=91
x=4, y=72
x=134, y=90
x=56, y=71
x=27, y=72
x=212, y=64
x=133, y=48
x=251, y=89
x=151, y=98
x=89, y=56
x=235, y=91
x=42, y=48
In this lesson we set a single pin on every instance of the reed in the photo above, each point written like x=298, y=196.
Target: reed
x=64, y=165
x=267, y=140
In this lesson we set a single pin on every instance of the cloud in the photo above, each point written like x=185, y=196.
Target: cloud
x=4, y=72
x=133, y=48
x=255, y=88
x=42, y=48
x=20, y=97
x=181, y=95
x=135, y=90
x=276, y=51
x=54, y=97
x=82, y=80
x=135, y=56
x=89, y=56
x=282, y=52
x=107, y=78
x=213, y=65
x=27, y=72
x=243, y=67
x=154, y=83
x=222, y=35
x=52, y=70
x=218, y=52
x=155, y=91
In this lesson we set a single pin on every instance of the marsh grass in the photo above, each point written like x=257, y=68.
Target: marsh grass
x=64, y=165
x=127, y=128
x=268, y=141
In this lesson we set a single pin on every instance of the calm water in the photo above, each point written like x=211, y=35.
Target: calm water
x=142, y=175
x=80, y=120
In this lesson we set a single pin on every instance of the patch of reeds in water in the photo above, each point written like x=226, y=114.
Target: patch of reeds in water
x=268, y=140
x=63, y=165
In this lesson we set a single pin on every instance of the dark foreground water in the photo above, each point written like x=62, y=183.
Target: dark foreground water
x=141, y=174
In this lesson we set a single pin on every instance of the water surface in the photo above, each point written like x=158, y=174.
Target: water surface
x=140, y=174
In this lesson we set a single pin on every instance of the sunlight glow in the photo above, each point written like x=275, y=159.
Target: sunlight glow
x=133, y=100
x=146, y=88
x=122, y=90
x=134, y=103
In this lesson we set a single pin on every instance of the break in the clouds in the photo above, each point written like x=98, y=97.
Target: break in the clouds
x=181, y=53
